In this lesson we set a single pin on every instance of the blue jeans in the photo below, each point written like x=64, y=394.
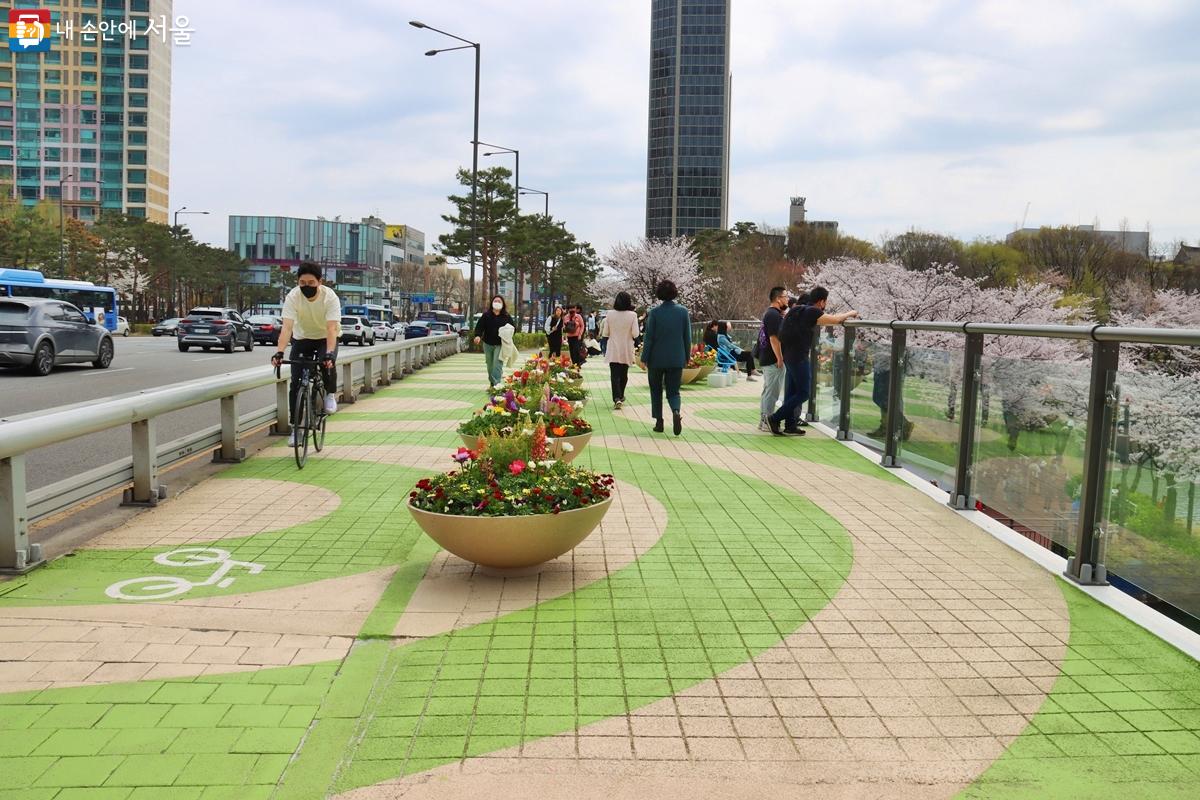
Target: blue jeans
x=795, y=392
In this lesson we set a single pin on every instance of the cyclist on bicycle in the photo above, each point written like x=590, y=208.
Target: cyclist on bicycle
x=312, y=322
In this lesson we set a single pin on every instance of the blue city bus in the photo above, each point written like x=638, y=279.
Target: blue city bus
x=373, y=312
x=84, y=295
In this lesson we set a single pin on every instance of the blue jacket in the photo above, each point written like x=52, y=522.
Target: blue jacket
x=668, y=340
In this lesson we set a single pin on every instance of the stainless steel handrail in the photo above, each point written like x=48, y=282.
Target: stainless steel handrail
x=1087, y=565
x=140, y=411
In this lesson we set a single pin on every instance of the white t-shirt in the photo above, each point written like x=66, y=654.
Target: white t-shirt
x=309, y=318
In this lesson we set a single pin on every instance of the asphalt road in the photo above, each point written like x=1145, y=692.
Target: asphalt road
x=139, y=363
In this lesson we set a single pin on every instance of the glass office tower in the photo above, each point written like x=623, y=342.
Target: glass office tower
x=91, y=116
x=687, y=167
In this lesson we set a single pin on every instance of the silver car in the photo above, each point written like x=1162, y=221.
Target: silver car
x=39, y=334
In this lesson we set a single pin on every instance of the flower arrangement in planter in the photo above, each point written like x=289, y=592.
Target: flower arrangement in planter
x=563, y=379
x=701, y=362
x=560, y=367
x=509, y=504
x=513, y=414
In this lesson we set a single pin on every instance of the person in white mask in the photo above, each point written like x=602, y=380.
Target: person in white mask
x=487, y=332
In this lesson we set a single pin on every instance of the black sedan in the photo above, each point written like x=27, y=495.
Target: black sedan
x=416, y=330
x=39, y=334
x=266, y=328
x=168, y=327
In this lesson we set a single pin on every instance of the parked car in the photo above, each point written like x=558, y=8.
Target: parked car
x=210, y=327
x=358, y=330
x=122, y=326
x=416, y=330
x=167, y=327
x=39, y=334
x=385, y=331
x=266, y=328
x=439, y=328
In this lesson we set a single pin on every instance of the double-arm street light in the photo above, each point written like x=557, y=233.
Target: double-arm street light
x=516, y=174
x=467, y=43
x=185, y=211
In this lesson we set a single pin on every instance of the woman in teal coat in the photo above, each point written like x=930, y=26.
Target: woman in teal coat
x=665, y=350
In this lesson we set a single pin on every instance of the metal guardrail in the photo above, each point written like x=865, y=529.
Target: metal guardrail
x=19, y=508
x=1087, y=565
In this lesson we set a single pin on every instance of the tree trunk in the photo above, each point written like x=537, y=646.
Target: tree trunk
x=1171, y=501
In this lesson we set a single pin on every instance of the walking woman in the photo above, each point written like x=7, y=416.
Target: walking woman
x=621, y=325
x=554, y=332
x=487, y=330
x=665, y=351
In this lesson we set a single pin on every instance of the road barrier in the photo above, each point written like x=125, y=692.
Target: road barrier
x=139, y=474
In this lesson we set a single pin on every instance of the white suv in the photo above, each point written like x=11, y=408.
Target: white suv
x=357, y=330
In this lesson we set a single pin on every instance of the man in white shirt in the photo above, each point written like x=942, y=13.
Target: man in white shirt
x=312, y=317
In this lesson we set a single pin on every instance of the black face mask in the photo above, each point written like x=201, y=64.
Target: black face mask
x=309, y=291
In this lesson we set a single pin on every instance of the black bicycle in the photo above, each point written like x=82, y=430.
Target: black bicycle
x=308, y=415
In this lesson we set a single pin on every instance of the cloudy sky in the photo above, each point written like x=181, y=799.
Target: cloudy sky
x=886, y=114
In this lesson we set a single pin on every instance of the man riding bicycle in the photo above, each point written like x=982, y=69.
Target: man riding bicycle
x=312, y=317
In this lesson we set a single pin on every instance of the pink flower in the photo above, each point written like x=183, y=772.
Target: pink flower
x=516, y=467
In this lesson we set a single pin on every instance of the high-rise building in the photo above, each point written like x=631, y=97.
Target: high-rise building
x=89, y=116
x=687, y=165
x=350, y=253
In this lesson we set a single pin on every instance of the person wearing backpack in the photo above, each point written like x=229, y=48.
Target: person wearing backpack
x=770, y=354
x=795, y=339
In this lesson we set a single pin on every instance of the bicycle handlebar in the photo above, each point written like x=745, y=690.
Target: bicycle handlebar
x=304, y=362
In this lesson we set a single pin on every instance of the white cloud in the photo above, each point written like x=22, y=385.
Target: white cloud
x=939, y=114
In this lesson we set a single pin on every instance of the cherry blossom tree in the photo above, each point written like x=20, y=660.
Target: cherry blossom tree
x=1138, y=306
x=638, y=269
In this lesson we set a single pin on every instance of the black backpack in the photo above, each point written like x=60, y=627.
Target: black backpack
x=791, y=333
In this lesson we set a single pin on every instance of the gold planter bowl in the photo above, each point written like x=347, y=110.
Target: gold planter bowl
x=511, y=542
x=705, y=371
x=689, y=376
x=577, y=443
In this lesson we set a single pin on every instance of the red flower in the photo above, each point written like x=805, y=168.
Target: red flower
x=516, y=467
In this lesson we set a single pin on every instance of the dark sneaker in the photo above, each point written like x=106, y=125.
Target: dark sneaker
x=793, y=431
x=677, y=424
x=774, y=426
x=658, y=426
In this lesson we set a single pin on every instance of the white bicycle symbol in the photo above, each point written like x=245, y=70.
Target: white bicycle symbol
x=158, y=587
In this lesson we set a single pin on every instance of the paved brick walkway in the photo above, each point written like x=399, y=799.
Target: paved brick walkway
x=755, y=616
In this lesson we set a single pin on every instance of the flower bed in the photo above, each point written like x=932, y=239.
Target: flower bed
x=514, y=414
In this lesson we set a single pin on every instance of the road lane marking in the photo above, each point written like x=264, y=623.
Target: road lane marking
x=106, y=371
x=210, y=358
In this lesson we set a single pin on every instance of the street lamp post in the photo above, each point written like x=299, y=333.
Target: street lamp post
x=174, y=281
x=516, y=183
x=546, y=195
x=474, y=154
x=62, y=225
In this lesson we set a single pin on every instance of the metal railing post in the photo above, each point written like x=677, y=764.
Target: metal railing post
x=961, y=497
x=282, y=426
x=895, y=417
x=145, y=490
x=347, y=383
x=846, y=386
x=813, y=359
x=368, y=386
x=1087, y=565
x=229, y=453
x=14, y=516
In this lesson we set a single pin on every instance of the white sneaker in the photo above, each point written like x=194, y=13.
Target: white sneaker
x=292, y=438
x=762, y=423
x=751, y=379
x=330, y=404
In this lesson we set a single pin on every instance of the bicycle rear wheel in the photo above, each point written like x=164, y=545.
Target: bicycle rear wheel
x=301, y=422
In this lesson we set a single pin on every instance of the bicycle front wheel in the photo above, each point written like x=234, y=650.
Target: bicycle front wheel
x=301, y=423
x=318, y=417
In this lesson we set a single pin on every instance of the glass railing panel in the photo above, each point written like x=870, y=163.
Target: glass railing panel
x=829, y=354
x=868, y=398
x=929, y=421
x=1152, y=520
x=1028, y=466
